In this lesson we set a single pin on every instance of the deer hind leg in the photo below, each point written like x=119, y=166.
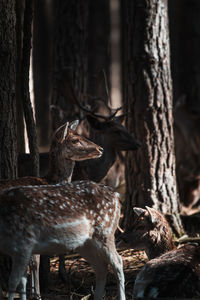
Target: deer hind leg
x=96, y=258
x=18, y=275
x=115, y=260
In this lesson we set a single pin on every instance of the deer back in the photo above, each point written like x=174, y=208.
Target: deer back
x=175, y=274
x=54, y=218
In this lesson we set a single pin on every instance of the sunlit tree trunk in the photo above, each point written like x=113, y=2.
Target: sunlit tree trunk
x=150, y=172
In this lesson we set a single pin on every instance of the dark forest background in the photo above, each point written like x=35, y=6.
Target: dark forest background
x=66, y=60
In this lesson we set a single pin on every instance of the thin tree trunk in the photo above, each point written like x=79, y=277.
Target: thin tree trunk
x=150, y=172
x=28, y=111
x=42, y=67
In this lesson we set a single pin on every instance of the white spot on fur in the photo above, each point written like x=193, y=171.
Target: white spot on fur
x=106, y=218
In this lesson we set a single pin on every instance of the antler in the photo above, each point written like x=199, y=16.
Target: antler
x=68, y=91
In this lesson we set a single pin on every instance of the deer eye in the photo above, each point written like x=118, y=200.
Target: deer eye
x=75, y=141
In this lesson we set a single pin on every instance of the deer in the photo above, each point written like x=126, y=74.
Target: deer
x=110, y=134
x=171, y=271
x=51, y=219
x=113, y=137
x=67, y=146
x=105, y=129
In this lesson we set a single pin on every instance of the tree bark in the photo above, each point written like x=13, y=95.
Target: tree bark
x=70, y=54
x=27, y=107
x=150, y=172
x=8, y=129
x=98, y=46
x=42, y=67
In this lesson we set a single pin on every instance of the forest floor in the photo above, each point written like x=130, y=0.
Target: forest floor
x=81, y=278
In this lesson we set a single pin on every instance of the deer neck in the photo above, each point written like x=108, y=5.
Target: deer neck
x=157, y=248
x=59, y=169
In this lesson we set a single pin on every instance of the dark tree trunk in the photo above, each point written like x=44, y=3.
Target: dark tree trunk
x=19, y=108
x=190, y=60
x=150, y=172
x=98, y=45
x=8, y=129
x=70, y=53
x=42, y=67
x=185, y=42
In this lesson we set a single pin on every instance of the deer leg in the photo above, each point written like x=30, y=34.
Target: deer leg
x=35, y=284
x=18, y=275
x=62, y=270
x=99, y=264
x=116, y=263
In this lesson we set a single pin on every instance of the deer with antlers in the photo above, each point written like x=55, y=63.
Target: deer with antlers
x=171, y=272
x=52, y=219
x=105, y=129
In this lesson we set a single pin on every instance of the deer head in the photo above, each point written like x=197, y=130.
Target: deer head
x=67, y=147
x=73, y=146
x=150, y=232
x=52, y=219
x=116, y=133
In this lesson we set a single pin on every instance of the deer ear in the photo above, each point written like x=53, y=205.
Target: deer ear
x=73, y=125
x=138, y=211
x=64, y=133
x=152, y=215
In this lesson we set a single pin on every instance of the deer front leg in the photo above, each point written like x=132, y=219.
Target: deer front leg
x=96, y=258
x=18, y=274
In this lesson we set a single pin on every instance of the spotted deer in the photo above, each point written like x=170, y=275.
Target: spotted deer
x=52, y=219
x=67, y=146
x=171, y=272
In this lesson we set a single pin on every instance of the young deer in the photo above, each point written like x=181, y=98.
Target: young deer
x=53, y=219
x=67, y=146
x=170, y=272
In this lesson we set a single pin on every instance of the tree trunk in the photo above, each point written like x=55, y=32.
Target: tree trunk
x=8, y=129
x=20, y=114
x=70, y=54
x=98, y=46
x=150, y=172
x=27, y=107
x=42, y=67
